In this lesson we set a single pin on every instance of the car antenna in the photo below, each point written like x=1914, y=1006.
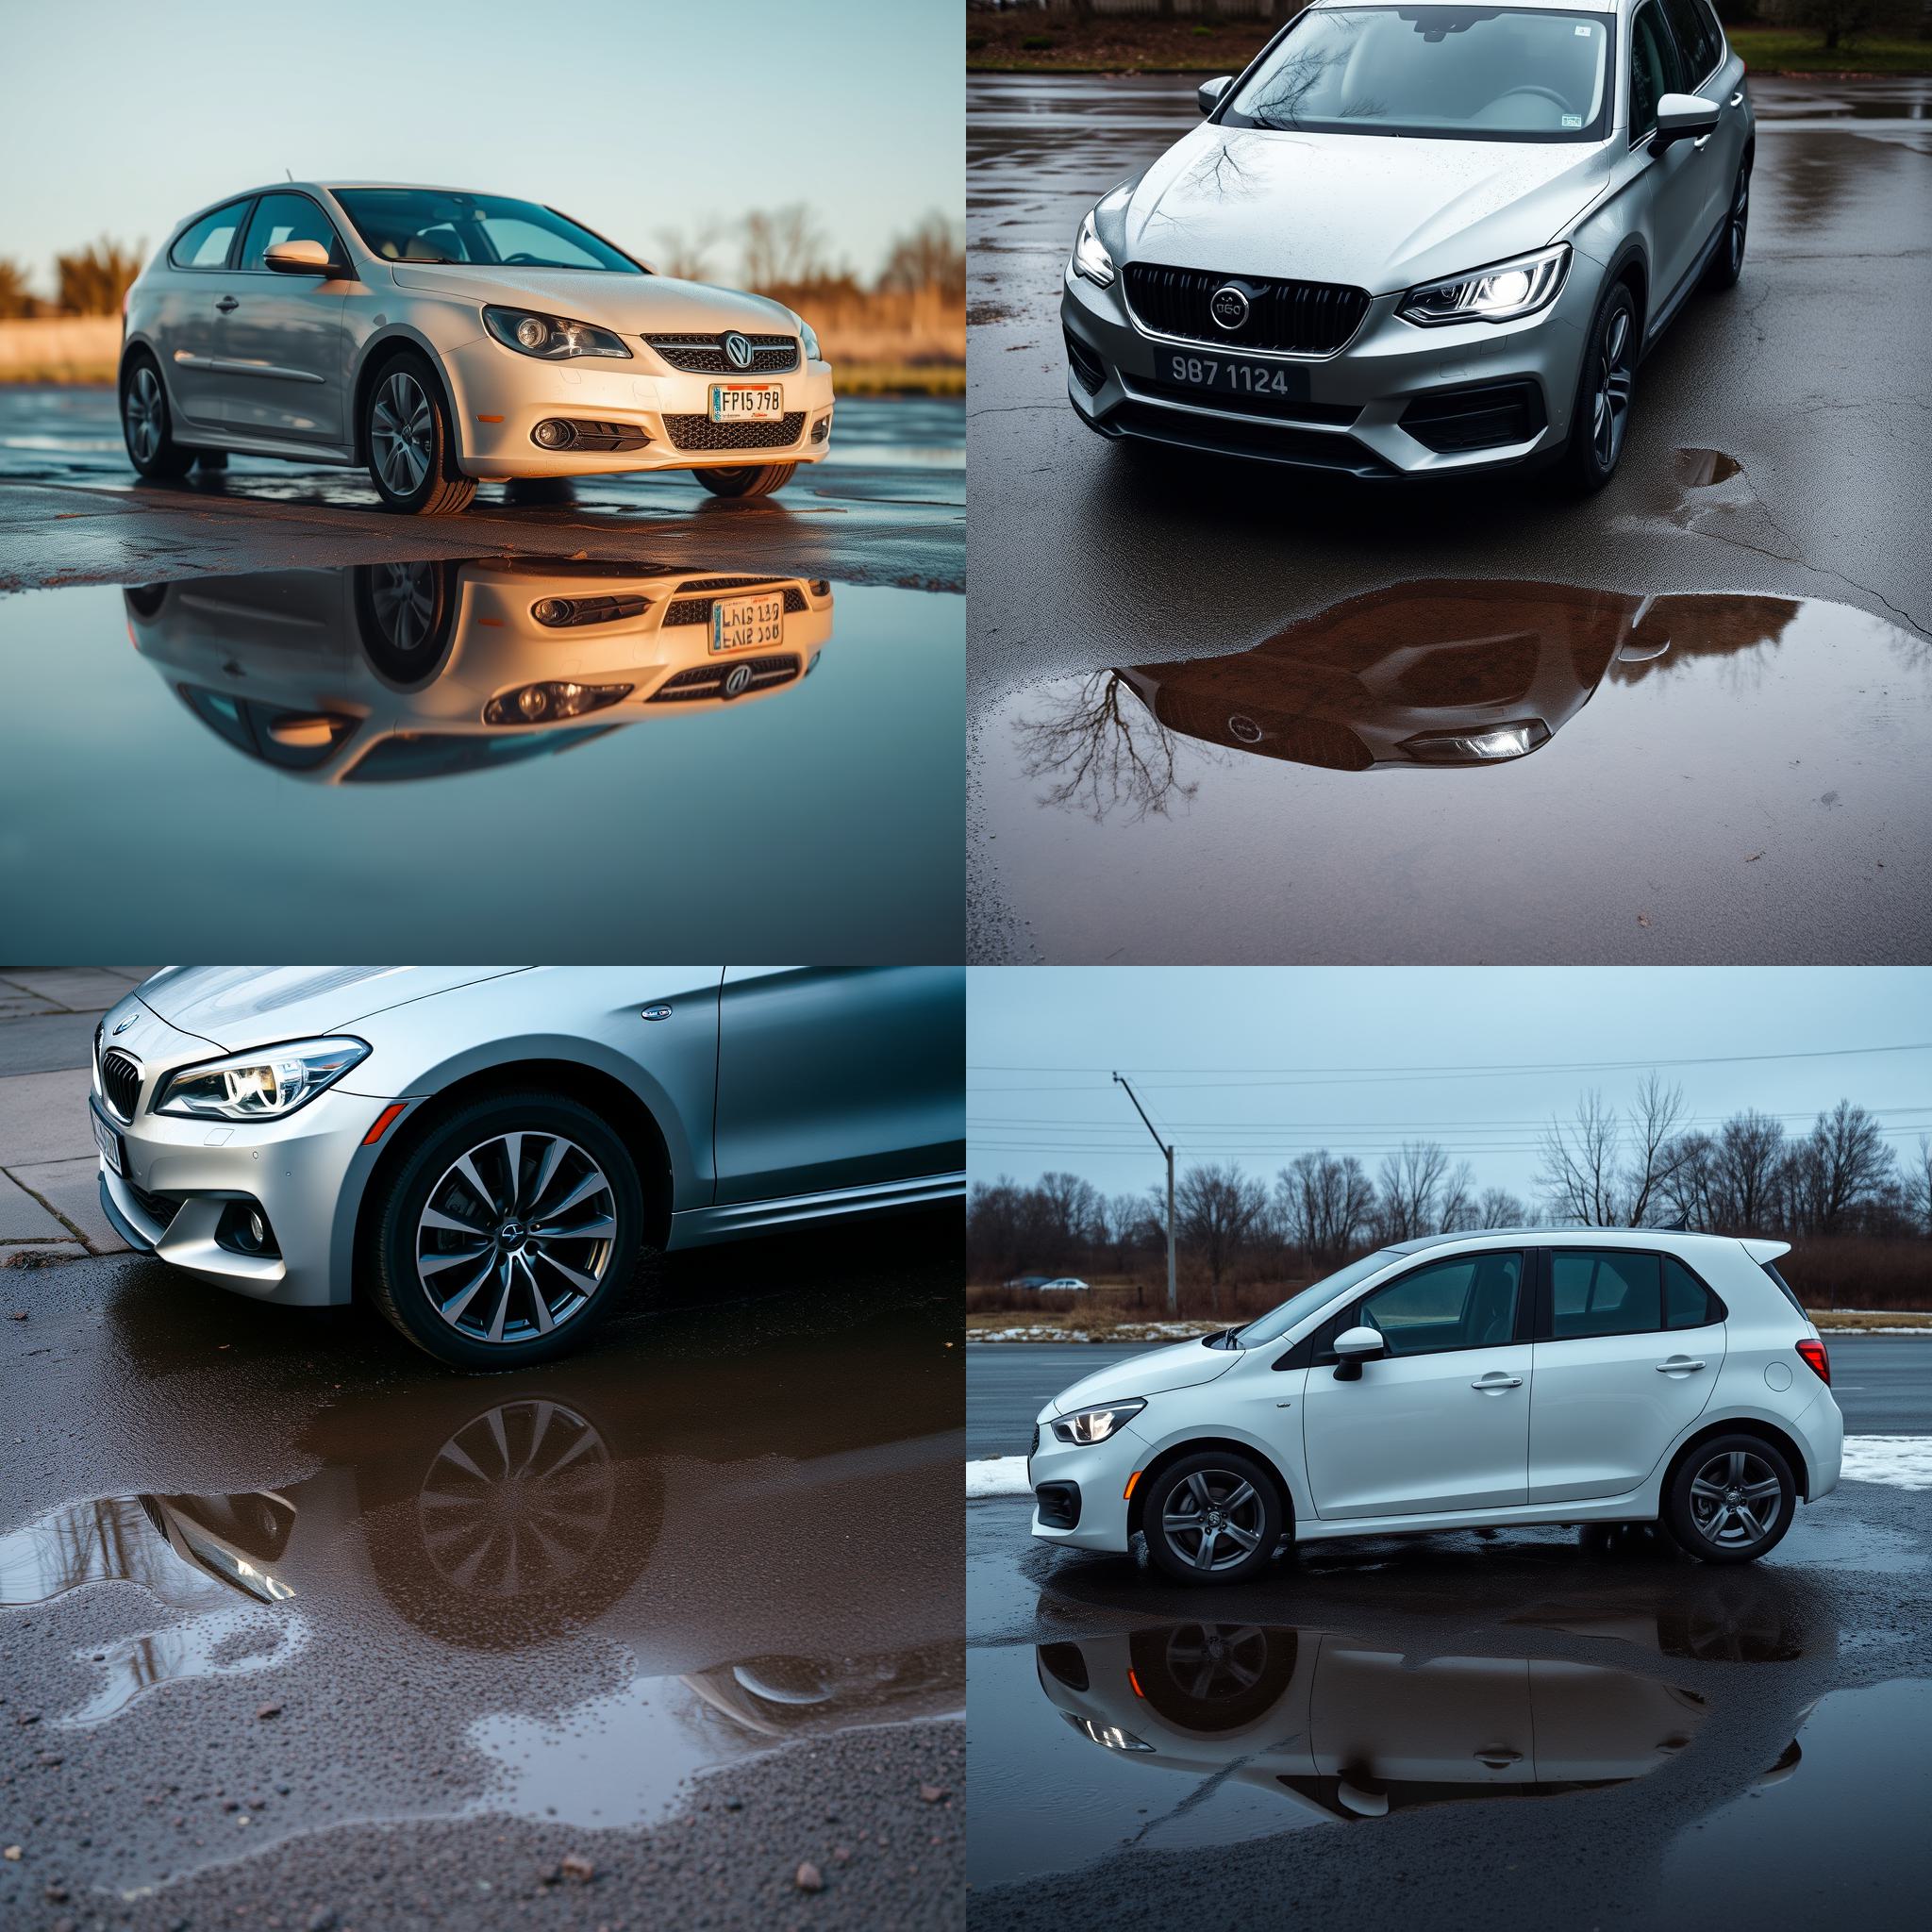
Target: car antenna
x=1680, y=1225
x=286, y=170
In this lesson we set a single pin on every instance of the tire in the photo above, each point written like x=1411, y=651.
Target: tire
x=1727, y=264
x=489, y=1318
x=1608, y=376
x=1213, y=1481
x=1702, y=1515
x=760, y=481
x=1207, y=1679
x=410, y=442
x=147, y=423
x=403, y=614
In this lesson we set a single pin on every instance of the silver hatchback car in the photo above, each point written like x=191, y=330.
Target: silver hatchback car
x=1416, y=239
x=483, y=1151
x=446, y=338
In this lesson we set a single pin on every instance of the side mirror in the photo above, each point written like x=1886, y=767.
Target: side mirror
x=1356, y=1347
x=1210, y=93
x=1683, y=117
x=299, y=259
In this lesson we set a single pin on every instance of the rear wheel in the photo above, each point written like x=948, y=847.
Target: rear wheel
x=508, y=1232
x=146, y=422
x=411, y=444
x=760, y=481
x=1213, y=1517
x=1601, y=413
x=1731, y=1500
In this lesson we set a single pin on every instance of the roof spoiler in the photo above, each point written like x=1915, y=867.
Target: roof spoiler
x=1762, y=1252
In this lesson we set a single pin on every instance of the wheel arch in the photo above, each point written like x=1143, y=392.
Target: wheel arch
x=1780, y=1438
x=1193, y=1445
x=377, y=354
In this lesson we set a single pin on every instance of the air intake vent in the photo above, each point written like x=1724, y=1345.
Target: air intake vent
x=120, y=1083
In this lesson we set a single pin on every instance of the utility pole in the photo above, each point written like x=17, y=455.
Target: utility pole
x=1173, y=1306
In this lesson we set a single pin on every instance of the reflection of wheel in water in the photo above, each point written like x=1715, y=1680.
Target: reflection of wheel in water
x=1213, y=1676
x=403, y=612
x=1714, y=1630
x=518, y=1499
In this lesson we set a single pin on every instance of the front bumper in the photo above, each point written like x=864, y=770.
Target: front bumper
x=501, y=396
x=1100, y=1471
x=304, y=1173
x=1352, y=415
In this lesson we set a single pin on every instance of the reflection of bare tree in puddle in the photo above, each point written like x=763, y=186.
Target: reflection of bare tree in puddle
x=1099, y=748
x=1729, y=629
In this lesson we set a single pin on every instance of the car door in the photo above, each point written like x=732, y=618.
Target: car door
x=1614, y=1383
x=839, y=1077
x=284, y=359
x=1713, y=73
x=1440, y=1420
x=191, y=325
x=1672, y=184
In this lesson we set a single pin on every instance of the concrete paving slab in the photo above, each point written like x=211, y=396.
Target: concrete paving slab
x=75, y=989
x=72, y=1188
x=23, y=1218
x=43, y=1116
x=40, y=1042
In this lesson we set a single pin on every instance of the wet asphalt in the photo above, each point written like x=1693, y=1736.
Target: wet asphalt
x=298, y=1631
x=1527, y=1727
x=1774, y=470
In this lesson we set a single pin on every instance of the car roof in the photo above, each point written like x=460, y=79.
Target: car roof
x=1533, y=6
x=1615, y=1236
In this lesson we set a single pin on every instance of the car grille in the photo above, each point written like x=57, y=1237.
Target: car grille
x=708, y=680
x=705, y=355
x=1479, y=418
x=1033, y=1447
x=160, y=1209
x=1297, y=318
x=696, y=608
x=1277, y=409
x=121, y=1082
x=700, y=432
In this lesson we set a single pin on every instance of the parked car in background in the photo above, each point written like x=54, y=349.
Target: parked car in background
x=1063, y=1284
x=445, y=339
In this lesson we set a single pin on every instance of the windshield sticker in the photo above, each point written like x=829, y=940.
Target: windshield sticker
x=1573, y=120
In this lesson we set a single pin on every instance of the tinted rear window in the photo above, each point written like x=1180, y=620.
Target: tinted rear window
x=1784, y=1287
x=1687, y=1304
x=1604, y=1291
x=207, y=244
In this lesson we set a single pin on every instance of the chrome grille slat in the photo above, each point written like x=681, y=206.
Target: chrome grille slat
x=708, y=680
x=1284, y=318
x=705, y=355
x=120, y=1083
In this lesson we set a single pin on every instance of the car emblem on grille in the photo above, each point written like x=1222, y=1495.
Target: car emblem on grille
x=124, y=1027
x=738, y=681
x=1228, y=306
x=737, y=350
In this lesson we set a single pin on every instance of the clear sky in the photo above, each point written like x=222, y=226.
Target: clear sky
x=1259, y=1064
x=646, y=114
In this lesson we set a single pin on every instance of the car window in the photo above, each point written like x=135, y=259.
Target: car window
x=1653, y=70
x=207, y=244
x=1687, y=1304
x=1466, y=1302
x=1604, y=1291
x=436, y=225
x=1691, y=24
x=285, y=218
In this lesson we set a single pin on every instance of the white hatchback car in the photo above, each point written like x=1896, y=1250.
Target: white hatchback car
x=1509, y=1378
x=446, y=338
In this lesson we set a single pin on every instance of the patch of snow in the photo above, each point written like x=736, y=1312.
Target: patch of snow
x=1905, y=1462
x=997, y=1475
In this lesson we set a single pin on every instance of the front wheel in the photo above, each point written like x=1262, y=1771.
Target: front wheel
x=410, y=444
x=1727, y=264
x=1731, y=1500
x=508, y=1232
x=760, y=481
x=1601, y=412
x=147, y=424
x=1214, y=1517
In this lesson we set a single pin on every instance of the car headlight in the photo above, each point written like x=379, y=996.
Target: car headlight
x=1090, y=257
x=551, y=338
x=810, y=337
x=1109, y=1737
x=1096, y=1425
x=1481, y=748
x=260, y=1085
x=540, y=704
x=1498, y=293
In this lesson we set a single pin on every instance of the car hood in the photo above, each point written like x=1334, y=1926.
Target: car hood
x=1180, y=1366
x=1377, y=211
x=631, y=304
x=239, y=1006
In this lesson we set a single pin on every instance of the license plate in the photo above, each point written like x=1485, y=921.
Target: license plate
x=1230, y=376
x=747, y=402
x=748, y=623
x=108, y=1140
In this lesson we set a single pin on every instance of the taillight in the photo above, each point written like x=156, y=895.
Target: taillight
x=1817, y=1360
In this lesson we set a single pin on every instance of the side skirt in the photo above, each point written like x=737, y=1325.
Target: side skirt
x=1633, y=1506
x=733, y=1219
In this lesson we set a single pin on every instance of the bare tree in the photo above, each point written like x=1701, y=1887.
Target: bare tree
x=686, y=253
x=1216, y=1207
x=1455, y=1208
x=1746, y=1158
x=932, y=255
x=784, y=248
x=1844, y=1165
x=1656, y=1153
x=1498, y=1208
x=1409, y=1198
x=1918, y=1184
x=1579, y=1164
x=16, y=298
x=1099, y=747
x=1325, y=1204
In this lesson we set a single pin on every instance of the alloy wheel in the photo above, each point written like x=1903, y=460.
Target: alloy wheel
x=1610, y=403
x=1735, y=1499
x=1213, y=1520
x=145, y=413
x=1215, y=1663
x=400, y=430
x=404, y=598
x=514, y=1240
x=1741, y=215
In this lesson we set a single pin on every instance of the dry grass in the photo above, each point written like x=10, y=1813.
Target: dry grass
x=1860, y=1272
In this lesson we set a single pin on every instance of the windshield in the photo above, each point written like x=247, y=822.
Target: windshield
x=1277, y=1321
x=433, y=224
x=1450, y=73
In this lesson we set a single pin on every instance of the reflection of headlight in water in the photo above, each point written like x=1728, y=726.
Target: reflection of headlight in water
x=813, y=1691
x=230, y=1567
x=539, y=704
x=1476, y=747
x=1109, y=1736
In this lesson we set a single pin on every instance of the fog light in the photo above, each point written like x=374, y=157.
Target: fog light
x=243, y=1229
x=552, y=433
x=551, y=610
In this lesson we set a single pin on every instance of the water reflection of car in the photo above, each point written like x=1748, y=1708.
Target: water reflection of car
x=398, y=671
x=1352, y=1729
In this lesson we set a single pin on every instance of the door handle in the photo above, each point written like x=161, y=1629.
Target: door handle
x=1496, y=1760
x=1736, y=100
x=1678, y=1365
x=1494, y=1381
x=226, y=303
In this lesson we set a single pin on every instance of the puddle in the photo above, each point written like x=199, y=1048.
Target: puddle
x=1190, y=1735
x=1477, y=771
x=1698, y=469
x=637, y=755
